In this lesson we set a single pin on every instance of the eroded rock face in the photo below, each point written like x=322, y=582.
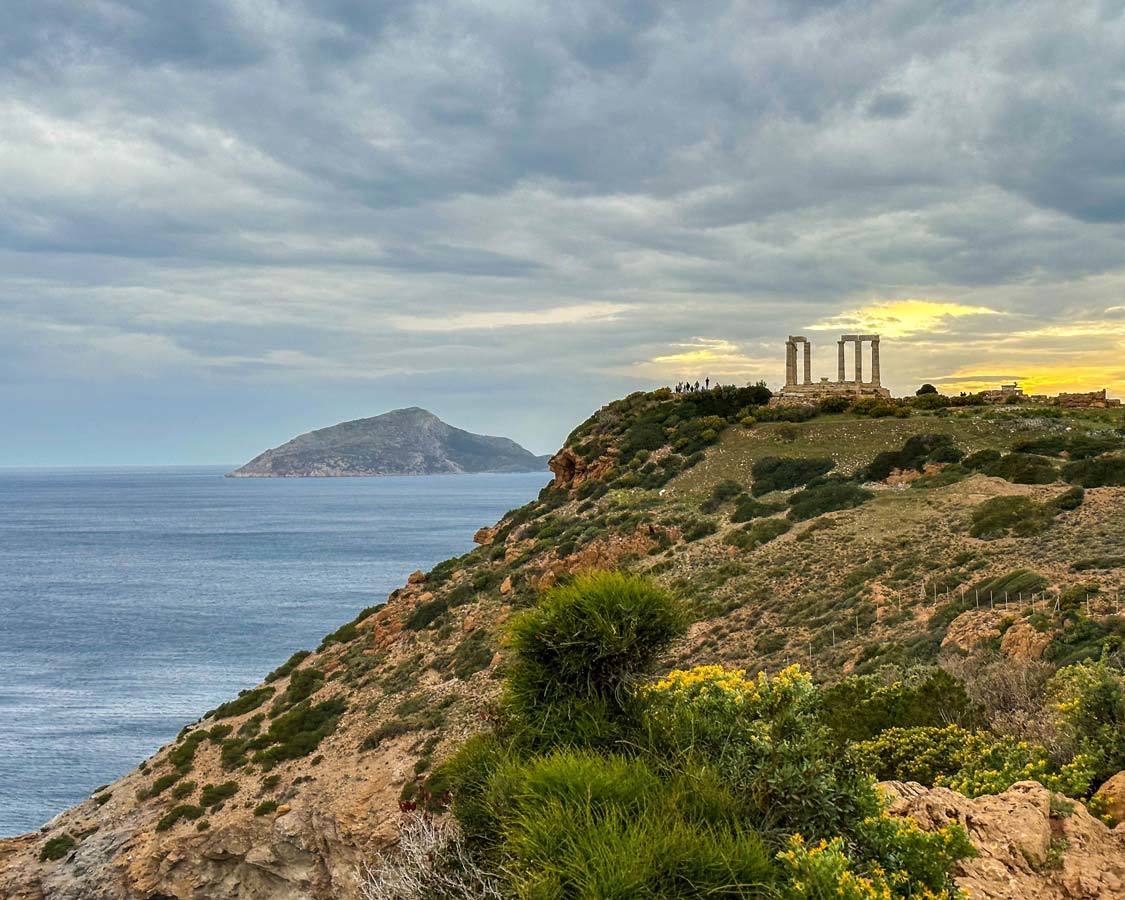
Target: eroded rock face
x=1022, y=641
x=1112, y=793
x=1030, y=843
x=571, y=470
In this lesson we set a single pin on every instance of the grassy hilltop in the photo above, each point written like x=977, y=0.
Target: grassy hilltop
x=946, y=575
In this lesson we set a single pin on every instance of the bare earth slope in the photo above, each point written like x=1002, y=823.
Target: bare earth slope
x=401, y=442
x=308, y=773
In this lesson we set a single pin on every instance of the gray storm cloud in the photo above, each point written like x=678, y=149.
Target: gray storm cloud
x=534, y=207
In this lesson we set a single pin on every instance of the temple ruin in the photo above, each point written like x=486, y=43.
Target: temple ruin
x=804, y=390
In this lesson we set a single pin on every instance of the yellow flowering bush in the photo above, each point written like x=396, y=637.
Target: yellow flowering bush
x=970, y=762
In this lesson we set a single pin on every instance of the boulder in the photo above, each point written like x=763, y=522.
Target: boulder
x=1030, y=843
x=1023, y=641
x=1112, y=793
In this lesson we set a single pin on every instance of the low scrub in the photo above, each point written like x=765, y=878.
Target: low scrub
x=1018, y=468
x=1010, y=584
x=178, y=813
x=781, y=473
x=827, y=496
x=289, y=665
x=1002, y=516
x=245, y=702
x=918, y=450
x=747, y=509
x=56, y=848
x=1104, y=471
x=757, y=534
x=214, y=794
x=972, y=763
x=600, y=782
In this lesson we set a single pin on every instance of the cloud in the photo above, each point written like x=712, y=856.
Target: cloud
x=701, y=357
x=903, y=318
x=579, y=314
x=547, y=203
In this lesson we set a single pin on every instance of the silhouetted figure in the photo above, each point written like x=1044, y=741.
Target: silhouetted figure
x=707, y=384
x=697, y=385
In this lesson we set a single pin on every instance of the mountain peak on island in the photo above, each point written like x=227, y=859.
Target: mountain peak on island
x=408, y=441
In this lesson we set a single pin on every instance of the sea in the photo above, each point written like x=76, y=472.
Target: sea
x=134, y=600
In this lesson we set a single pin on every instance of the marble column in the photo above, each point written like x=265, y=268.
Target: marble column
x=808, y=363
x=875, y=362
x=858, y=361
x=790, y=363
x=840, y=361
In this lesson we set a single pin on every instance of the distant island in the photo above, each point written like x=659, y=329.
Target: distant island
x=410, y=441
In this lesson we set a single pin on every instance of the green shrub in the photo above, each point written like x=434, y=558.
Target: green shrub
x=183, y=789
x=577, y=653
x=918, y=450
x=214, y=794
x=386, y=731
x=1018, y=468
x=860, y=707
x=779, y=473
x=289, y=665
x=425, y=614
x=1087, y=701
x=266, y=807
x=218, y=733
x=56, y=848
x=297, y=733
x=699, y=528
x=176, y=813
x=758, y=533
x=1012, y=584
x=595, y=784
x=1098, y=562
x=723, y=492
x=582, y=825
x=1103, y=471
x=1001, y=516
x=244, y=703
x=342, y=635
x=473, y=654
x=826, y=497
x=970, y=762
x=1084, y=639
x=302, y=685
x=747, y=509
x=1069, y=499
x=163, y=783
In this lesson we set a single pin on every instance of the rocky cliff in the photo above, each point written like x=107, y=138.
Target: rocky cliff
x=402, y=442
x=286, y=790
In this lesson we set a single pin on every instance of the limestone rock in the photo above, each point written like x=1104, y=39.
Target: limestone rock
x=506, y=585
x=1023, y=641
x=485, y=536
x=970, y=629
x=1027, y=846
x=416, y=577
x=1113, y=792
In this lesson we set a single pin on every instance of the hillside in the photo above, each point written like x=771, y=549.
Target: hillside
x=877, y=541
x=409, y=441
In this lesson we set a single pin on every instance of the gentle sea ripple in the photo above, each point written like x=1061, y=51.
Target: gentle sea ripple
x=133, y=600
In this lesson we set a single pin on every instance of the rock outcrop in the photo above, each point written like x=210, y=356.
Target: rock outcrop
x=1030, y=843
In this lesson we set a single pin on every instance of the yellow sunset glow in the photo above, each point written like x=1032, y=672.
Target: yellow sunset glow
x=901, y=318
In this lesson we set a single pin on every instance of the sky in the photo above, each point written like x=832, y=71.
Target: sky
x=226, y=222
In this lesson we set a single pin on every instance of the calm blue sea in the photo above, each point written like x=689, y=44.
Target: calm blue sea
x=133, y=600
